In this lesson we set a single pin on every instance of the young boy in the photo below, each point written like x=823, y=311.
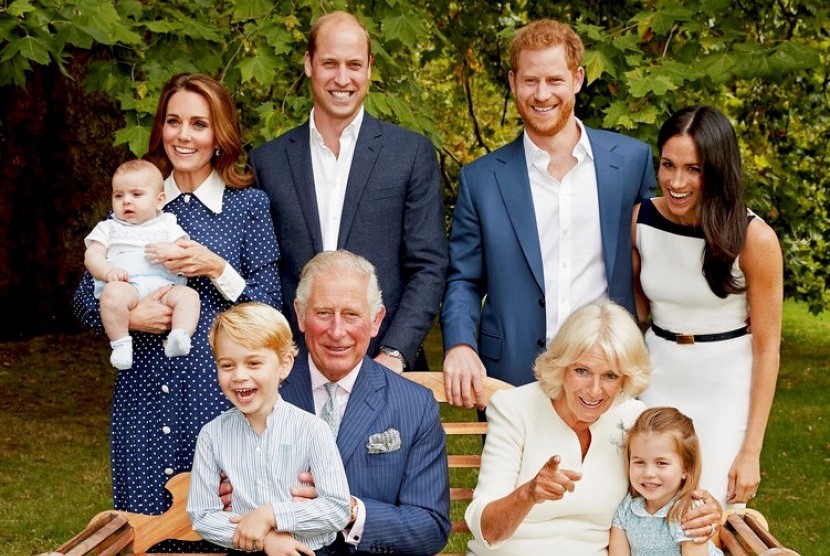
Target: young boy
x=262, y=445
x=123, y=275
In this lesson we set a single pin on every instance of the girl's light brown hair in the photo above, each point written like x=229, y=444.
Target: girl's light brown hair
x=670, y=421
x=223, y=119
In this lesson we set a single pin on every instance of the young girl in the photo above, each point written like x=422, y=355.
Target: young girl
x=664, y=466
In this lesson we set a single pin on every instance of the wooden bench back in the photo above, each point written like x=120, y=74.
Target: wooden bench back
x=460, y=490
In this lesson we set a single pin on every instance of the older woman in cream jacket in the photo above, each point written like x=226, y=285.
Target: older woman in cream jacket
x=552, y=470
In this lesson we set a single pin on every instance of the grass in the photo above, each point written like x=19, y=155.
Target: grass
x=54, y=410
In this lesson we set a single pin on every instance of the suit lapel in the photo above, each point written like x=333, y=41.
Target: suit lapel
x=365, y=401
x=514, y=184
x=609, y=170
x=296, y=389
x=366, y=152
x=298, y=151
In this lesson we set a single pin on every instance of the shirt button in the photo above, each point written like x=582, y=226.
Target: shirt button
x=541, y=302
x=165, y=429
x=165, y=388
x=168, y=471
x=540, y=342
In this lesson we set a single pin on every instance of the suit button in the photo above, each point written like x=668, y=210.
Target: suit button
x=540, y=343
x=541, y=302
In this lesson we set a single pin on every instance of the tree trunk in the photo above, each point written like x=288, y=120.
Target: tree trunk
x=56, y=159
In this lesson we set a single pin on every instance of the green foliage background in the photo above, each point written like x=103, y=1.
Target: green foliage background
x=440, y=68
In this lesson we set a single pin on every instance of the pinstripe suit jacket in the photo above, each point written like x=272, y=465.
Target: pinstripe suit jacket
x=406, y=492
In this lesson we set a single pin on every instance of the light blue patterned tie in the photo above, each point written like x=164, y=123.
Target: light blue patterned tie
x=330, y=413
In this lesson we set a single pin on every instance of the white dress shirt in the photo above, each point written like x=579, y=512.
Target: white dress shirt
x=568, y=224
x=230, y=283
x=331, y=175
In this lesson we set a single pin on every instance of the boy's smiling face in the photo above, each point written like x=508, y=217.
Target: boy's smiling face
x=250, y=377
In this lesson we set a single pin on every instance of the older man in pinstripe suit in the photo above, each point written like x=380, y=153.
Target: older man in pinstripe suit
x=388, y=430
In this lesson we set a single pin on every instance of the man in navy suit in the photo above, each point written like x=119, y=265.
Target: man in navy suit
x=345, y=180
x=541, y=226
x=388, y=430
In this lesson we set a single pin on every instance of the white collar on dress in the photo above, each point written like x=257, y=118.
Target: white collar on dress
x=638, y=507
x=209, y=191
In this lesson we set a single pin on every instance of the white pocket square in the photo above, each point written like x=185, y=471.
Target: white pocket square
x=384, y=442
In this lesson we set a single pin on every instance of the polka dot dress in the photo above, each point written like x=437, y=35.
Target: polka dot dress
x=160, y=404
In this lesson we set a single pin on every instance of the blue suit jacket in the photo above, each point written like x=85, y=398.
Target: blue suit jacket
x=392, y=215
x=494, y=250
x=406, y=492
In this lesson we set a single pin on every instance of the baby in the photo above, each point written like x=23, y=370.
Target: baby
x=123, y=275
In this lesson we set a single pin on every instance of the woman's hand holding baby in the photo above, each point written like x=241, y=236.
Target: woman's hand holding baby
x=186, y=258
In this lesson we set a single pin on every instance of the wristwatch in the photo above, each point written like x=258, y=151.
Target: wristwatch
x=392, y=352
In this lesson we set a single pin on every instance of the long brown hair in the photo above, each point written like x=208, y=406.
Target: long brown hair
x=225, y=126
x=669, y=421
x=723, y=213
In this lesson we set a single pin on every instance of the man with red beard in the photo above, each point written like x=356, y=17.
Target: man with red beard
x=541, y=226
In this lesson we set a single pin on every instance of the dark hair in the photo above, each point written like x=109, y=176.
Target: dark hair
x=723, y=213
x=223, y=119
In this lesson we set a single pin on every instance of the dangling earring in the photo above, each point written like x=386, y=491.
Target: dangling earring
x=217, y=152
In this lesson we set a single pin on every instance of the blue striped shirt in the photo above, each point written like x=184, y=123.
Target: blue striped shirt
x=262, y=469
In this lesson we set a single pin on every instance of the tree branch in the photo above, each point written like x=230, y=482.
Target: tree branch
x=468, y=93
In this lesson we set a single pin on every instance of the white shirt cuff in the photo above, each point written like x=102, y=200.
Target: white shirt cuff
x=354, y=533
x=230, y=283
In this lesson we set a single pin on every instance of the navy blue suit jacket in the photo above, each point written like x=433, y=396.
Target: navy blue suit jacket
x=392, y=215
x=406, y=492
x=494, y=250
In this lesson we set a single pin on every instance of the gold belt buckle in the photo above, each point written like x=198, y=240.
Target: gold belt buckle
x=684, y=338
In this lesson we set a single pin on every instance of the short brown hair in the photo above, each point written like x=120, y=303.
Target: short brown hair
x=225, y=124
x=546, y=33
x=335, y=17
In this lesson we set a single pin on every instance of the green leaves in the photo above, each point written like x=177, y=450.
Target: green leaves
x=440, y=68
x=135, y=136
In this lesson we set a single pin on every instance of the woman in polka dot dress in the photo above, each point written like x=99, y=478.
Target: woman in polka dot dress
x=160, y=404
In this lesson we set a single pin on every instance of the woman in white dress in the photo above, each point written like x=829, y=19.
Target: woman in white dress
x=704, y=264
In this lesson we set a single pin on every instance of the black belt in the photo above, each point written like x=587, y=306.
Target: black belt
x=692, y=338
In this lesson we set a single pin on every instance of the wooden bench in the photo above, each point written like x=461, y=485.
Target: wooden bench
x=460, y=491
x=746, y=533
x=113, y=533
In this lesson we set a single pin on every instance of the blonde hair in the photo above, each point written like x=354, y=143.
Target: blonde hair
x=601, y=325
x=679, y=427
x=254, y=325
x=139, y=165
x=546, y=33
x=339, y=263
